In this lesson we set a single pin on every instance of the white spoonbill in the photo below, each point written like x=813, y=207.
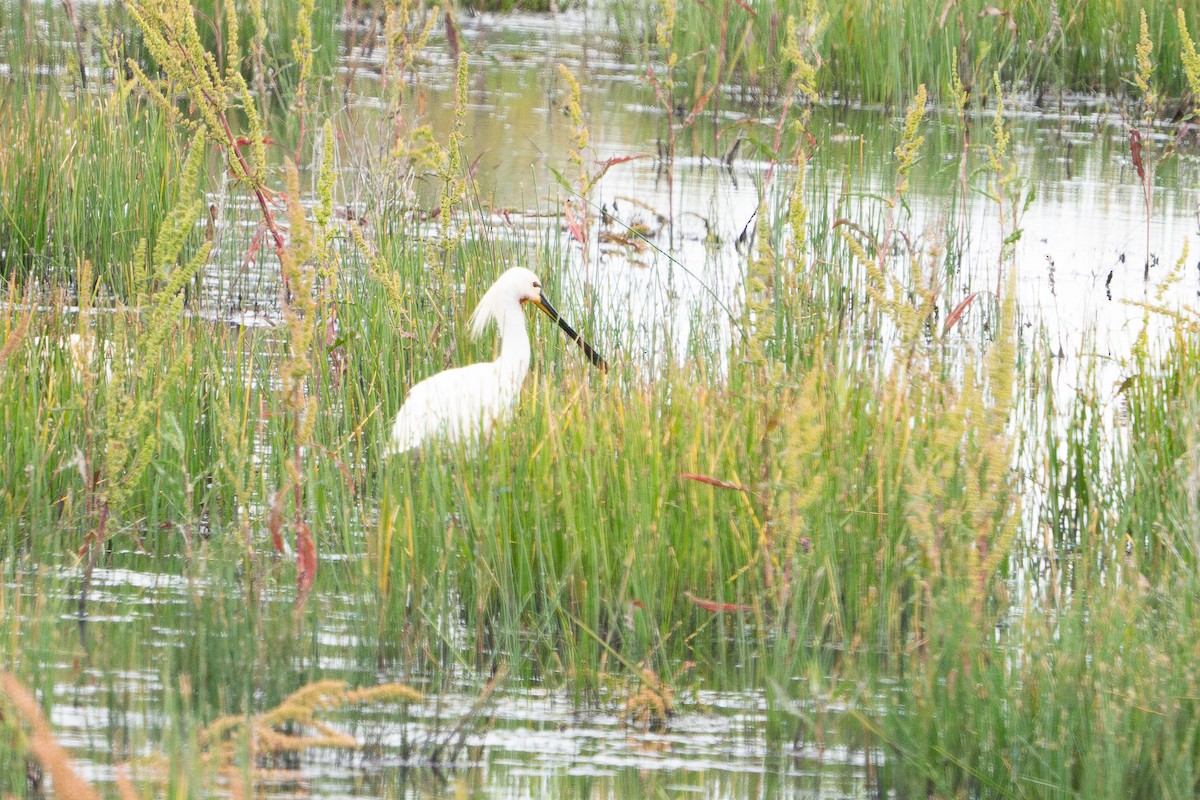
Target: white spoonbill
x=465, y=402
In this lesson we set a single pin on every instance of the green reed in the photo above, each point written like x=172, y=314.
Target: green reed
x=1044, y=50
x=265, y=34
x=1077, y=692
x=123, y=161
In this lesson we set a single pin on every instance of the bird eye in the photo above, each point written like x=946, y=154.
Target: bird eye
x=537, y=285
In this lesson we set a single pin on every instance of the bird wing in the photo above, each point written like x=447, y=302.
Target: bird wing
x=460, y=403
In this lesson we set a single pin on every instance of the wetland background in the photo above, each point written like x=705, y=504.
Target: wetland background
x=893, y=487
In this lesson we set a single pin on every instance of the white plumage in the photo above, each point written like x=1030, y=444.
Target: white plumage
x=463, y=404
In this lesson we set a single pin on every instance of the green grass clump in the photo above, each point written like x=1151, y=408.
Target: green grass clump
x=1089, y=686
x=266, y=32
x=865, y=52
x=86, y=179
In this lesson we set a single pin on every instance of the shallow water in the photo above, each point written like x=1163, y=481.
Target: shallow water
x=1080, y=259
x=520, y=742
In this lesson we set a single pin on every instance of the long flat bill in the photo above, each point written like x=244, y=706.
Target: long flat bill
x=589, y=351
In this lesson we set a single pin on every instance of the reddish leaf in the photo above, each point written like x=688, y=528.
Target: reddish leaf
x=473, y=167
x=452, y=37
x=574, y=224
x=720, y=484
x=341, y=466
x=613, y=238
x=612, y=162
x=252, y=251
x=306, y=562
x=958, y=312
x=275, y=521
x=608, y=163
x=331, y=327
x=242, y=141
x=714, y=605
x=1135, y=150
x=88, y=541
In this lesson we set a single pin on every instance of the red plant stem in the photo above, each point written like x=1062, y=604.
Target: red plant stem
x=297, y=495
x=236, y=151
x=268, y=217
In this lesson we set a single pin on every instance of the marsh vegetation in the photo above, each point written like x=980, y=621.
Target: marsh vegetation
x=892, y=487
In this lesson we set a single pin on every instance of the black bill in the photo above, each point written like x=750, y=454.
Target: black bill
x=588, y=350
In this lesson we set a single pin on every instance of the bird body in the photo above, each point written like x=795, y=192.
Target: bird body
x=455, y=405
x=465, y=403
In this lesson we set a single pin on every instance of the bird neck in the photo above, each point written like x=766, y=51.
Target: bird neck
x=514, y=342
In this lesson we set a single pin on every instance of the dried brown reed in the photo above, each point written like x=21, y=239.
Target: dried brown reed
x=18, y=329
x=42, y=745
x=125, y=789
x=652, y=704
x=292, y=727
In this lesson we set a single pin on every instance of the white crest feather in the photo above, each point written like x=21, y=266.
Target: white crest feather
x=503, y=297
x=490, y=307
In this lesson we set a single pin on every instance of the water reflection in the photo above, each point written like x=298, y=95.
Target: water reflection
x=525, y=742
x=1080, y=256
